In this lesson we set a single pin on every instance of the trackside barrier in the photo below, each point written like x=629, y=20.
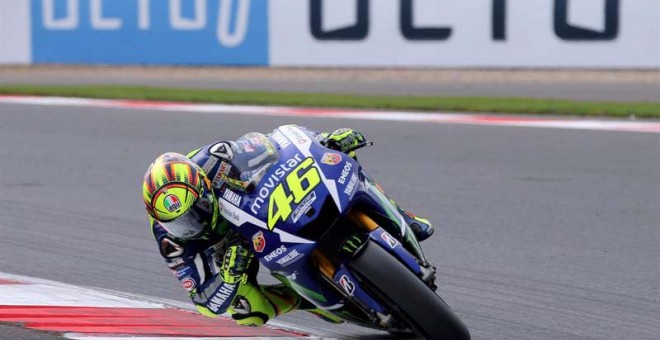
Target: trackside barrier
x=333, y=33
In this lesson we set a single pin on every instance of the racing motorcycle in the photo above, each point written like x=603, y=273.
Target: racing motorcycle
x=319, y=223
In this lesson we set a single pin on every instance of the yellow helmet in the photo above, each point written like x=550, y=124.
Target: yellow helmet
x=178, y=195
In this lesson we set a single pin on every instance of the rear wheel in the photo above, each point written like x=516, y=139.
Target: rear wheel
x=413, y=301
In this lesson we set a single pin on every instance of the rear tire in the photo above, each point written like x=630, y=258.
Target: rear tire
x=424, y=311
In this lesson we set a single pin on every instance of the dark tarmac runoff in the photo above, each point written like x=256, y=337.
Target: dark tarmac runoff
x=16, y=332
x=541, y=233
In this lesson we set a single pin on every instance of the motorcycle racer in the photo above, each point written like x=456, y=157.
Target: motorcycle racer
x=210, y=260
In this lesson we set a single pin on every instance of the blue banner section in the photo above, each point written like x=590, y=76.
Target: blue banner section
x=183, y=32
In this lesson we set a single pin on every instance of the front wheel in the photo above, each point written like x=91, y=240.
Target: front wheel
x=399, y=288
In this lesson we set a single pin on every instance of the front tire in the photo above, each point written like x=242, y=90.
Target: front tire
x=402, y=291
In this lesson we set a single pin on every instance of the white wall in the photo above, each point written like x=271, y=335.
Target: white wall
x=15, y=36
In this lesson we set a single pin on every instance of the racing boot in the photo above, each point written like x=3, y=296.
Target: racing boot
x=421, y=227
x=255, y=305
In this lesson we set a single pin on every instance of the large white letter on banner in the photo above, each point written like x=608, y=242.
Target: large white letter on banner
x=144, y=18
x=180, y=23
x=225, y=36
x=97, y=19
x=69, y=22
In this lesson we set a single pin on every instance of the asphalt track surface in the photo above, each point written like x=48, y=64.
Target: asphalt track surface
x=542, y=233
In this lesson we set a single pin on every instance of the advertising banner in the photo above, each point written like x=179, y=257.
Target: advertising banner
x=227, y=32
x=474, y=33
x=334, y=33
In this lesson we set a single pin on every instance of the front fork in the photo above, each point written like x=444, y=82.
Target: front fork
x=410, y=243
x=342, y=278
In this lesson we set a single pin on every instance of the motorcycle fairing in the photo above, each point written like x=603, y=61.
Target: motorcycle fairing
x=328, y=181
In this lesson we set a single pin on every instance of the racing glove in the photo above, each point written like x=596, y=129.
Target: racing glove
x=235, y=264
x=345, y=140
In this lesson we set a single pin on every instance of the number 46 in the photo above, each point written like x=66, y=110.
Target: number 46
x=300, y=182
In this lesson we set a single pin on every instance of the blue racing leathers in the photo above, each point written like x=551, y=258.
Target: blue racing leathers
x=196, y=264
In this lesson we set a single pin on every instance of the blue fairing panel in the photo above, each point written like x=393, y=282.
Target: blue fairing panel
x=292, y=192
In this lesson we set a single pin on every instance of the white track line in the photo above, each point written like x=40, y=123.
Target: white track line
x=393, y=116
x=40, y=292
x=26, y=291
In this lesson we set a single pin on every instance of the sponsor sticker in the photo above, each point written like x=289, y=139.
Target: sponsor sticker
x=170, y=249
x=259, y=242
x=292, y=132
x=289, y=258
x=304, y=206
x=172, y=203
x=346, y=283
x=230, y=213
x=222, y=150
x=232, y=197
x=174, y=263
x=221, y=296
x=223, y=169
x=183, y=272
x=350, y=187
x=344, y=172
x=246, y=146
x=389, y=239
x=256, y=141
x=217, y=179
x=331, y=158
x=282, y=141
x=275, y=253
x=209, y=164
x=188, y=283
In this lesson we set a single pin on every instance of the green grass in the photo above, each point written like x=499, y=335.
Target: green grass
x=470, y=104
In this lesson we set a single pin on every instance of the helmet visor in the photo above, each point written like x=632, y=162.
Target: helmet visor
x=197, y=220
x=188, y=225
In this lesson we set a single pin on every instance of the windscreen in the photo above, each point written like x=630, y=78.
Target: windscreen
x=254, y=154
